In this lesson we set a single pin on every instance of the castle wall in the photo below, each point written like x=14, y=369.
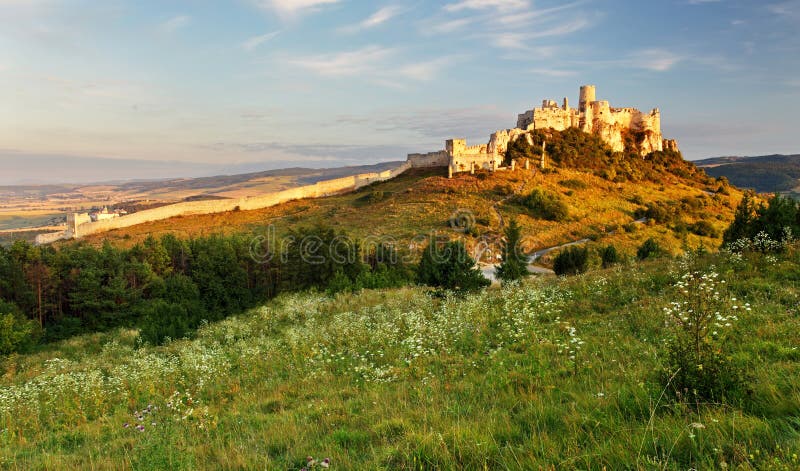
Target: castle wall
x=431, y=159
x=320, y=189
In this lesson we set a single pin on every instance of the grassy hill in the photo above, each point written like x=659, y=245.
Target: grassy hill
x=420, y=202
x=551, y=374
x=765, y=174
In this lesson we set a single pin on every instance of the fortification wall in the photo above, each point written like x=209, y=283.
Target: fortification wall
x=50, y=237
x=555, y=118
x=188, y=208
x=431, y=159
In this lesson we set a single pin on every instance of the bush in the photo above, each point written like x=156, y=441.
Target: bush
x=571, y=261
x=648, y=249
x=545, y=205
x=703, y=228
x=609, y=256
x=163, y=321
x=16, y=332
x=449, y=266
x=698, y=365
x=574, y=184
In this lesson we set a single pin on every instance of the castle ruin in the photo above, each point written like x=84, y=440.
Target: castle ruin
x=592, y=116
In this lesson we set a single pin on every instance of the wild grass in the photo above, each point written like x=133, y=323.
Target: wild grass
x=550, y=374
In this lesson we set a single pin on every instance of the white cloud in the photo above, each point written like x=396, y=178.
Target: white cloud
x=343, y=64
x=449, y=26
x=500, y=5
x=557, y=73
x=174, y=24
x=290, y=8
x=789, y=9
x=373, y=21
x=657, y=60
x=255, y=41
x=374, y=64
x=702, y=2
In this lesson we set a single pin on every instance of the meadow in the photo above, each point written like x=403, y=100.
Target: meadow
x=547, y=374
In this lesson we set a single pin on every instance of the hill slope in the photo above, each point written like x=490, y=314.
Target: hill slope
x=548, y=375
x=765, y=174
x=603, y=192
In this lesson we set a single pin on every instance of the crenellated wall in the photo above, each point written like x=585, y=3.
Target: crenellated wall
x=78, y=226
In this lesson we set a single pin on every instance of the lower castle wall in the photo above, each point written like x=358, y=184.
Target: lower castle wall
x=188, y=208
x=431, y=159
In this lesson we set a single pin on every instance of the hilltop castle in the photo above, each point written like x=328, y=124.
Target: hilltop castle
x=594, y=116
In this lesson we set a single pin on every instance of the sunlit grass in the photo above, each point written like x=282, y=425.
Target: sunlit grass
x=550, y=374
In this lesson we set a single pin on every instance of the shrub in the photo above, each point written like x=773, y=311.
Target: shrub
x=545, y=205
x=515, y=263
x=703, y=228
x=574, y=184
x=571, y=261
x=449, y=266
x=698, y=366
x=16, y=332
x=648, y=249
x=609, y=256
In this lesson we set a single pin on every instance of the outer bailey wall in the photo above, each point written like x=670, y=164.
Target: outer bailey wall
x=319, y=189
x=431, y=159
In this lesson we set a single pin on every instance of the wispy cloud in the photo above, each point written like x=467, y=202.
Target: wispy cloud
x=789, y=9
x=376, y=64
x=657, y=60
x=252, y=43
x=291, y=8
x=345, y=64
x=555, y=73
x=702, y=2
x=514, y=25
x=174, y=24
x=498, y=5
x=378, y=18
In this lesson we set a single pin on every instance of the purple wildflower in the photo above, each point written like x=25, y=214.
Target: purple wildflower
x=126, y=425
x=140, y=428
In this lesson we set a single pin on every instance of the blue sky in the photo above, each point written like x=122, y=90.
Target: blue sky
x=330, y=82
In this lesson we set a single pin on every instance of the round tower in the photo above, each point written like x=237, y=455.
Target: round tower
x=588, y=95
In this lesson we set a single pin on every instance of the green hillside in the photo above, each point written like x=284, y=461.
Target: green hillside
x=765, y=174
x=550, y=374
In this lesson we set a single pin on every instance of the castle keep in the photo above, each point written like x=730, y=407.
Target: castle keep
x=591, y=116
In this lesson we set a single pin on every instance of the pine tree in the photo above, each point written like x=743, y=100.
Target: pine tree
x=515, y=263
x=450, y=267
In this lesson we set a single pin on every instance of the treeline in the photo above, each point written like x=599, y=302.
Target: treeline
x=779, y=219
x=573, y=148
x=166, y=287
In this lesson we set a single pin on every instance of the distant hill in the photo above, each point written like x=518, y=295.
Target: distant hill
x=766, y=174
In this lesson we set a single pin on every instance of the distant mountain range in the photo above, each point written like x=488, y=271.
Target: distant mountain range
x=766, y=174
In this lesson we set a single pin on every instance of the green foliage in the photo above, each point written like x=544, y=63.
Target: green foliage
x=649, y=249
x=166, y=287
x=609, y=256
x=573, y=148
x=574, y=184
x=550, y=373
x=515, y=263
x=572, y=260
x=448, y=265
x=545, y=205
x=703, y=228
x=779, y=220
x=699, y=368
x=16, y=332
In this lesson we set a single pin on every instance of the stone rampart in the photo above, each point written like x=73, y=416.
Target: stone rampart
x=431, y=159
x=189, y=208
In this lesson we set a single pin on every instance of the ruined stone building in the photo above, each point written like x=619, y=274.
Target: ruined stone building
x=593, y=116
